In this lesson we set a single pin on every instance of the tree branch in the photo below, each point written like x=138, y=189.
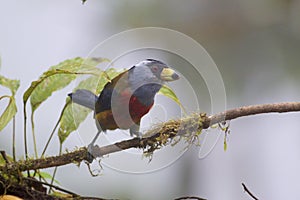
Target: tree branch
x=189, y=198
x=159, y=136
x=252, y=110
x=248, y=192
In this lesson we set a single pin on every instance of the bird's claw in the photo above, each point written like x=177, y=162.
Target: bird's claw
x=134, y=131
x=91, y=153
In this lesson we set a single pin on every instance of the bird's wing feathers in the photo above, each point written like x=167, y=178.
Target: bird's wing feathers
x=118, y=86
x=120, y=82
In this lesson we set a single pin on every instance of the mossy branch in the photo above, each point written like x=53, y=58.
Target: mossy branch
x=160, y=135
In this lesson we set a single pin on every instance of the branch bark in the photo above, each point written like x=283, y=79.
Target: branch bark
x=252, y=110
x=154, y=138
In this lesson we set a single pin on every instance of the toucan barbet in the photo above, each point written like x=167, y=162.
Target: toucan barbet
x=126, y=98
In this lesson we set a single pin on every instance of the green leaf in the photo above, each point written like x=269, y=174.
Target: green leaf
x=11, y=109
x=61, y=195
x=75, y=114
x=9, y=112
x=47, y=176
x=70, y=122
x=2, y=161
x=13, y=85
x=168, y=92
x=58, y=77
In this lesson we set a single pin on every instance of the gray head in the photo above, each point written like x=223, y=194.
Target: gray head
x=152, y=71
x=147, y=77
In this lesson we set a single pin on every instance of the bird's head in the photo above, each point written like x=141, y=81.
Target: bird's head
x=147, y=77
x=151, y=70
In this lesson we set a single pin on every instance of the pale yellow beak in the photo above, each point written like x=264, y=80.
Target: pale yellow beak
x=168, y=74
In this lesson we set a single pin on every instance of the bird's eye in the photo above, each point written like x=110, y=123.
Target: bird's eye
x=154, y=69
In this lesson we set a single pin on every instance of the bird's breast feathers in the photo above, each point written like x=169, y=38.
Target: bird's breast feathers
x=121, y=104
x=125, y=112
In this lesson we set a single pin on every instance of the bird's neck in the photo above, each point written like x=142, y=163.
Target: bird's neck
x=144, y=84
x=146, y=93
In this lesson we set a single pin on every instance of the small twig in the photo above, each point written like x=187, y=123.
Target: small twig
x=182, y=198
x=94, y=198
x=33, y=135
x=252, y=110
x=25, y=134
x=4, y=156
x=14, y=139
x=248, y=191
x=55, y=127
x=55, y=169
x=51, y=185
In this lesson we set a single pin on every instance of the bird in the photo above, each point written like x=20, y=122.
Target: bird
x=126, y=98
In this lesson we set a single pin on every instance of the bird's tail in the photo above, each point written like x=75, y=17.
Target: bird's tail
x=84, y=97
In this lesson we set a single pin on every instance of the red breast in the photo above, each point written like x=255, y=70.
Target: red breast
x=119, y=116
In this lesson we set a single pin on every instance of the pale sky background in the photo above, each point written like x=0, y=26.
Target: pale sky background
x=255, y=46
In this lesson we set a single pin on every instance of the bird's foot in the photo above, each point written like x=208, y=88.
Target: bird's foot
x=135, y=131
x=136, y=134
x=91, y=150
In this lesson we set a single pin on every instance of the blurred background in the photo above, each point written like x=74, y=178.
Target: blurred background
x=255, y=45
